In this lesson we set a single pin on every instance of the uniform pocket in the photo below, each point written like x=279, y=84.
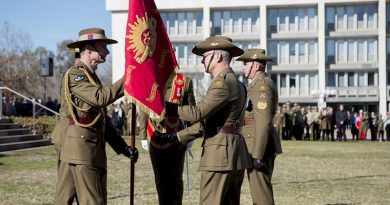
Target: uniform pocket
x=215, y=152
x=82, y=133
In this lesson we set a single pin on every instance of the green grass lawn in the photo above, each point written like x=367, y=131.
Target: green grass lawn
x=306, y=173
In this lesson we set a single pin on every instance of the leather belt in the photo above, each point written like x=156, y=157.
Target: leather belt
x=82, y=120
x=230, y=129
x=249, y=121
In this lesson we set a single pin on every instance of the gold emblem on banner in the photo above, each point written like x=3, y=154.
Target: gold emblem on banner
x=142, y=37
x=262, y=105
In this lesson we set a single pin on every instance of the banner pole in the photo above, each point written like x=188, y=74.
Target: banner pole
x=132, y=146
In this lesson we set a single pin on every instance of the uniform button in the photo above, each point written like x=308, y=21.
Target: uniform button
x=212, y=142
x=82, y=136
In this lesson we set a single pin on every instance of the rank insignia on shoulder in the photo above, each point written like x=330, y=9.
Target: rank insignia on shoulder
x=262, y=88
x=79, y=78
x=262, y=105
x=218, y=84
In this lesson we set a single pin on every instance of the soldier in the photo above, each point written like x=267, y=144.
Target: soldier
x=279, y=122
x=224, y=156
x=168, y=158
x=289, y=118
x=317, y=122
x=83, y=129
x=126, y=107
x=261, y=138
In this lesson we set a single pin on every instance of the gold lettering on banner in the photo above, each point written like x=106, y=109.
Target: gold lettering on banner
x=153, y=92
x=164, y=53
x=130, y=69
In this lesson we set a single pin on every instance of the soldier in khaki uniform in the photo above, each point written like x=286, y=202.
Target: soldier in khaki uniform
x=168, y=158
x=81, y=134
x=224, y=156
x=261, y=138
x=279, y=122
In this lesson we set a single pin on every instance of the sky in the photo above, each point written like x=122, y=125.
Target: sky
x=49, y=22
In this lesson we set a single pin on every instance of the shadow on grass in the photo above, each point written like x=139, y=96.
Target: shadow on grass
x=1, y=155
x=143, y=194
x=338, y=179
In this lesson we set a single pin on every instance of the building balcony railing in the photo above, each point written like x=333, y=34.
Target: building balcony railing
x=355, y=93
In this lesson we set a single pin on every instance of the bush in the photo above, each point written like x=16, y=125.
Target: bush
x=43, y=124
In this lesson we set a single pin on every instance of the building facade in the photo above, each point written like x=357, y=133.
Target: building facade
x=324, y=52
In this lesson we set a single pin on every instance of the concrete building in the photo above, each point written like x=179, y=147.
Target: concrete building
x=324, y=52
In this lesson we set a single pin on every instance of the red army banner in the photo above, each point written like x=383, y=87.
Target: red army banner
x=150, y=59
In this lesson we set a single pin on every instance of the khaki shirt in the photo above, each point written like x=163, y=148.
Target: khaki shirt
x=84, y=97
x=261, y=138
x=223, y=105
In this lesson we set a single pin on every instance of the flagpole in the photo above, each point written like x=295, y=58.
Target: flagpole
x=132, y=145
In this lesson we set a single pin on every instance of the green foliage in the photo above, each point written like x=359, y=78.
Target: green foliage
x=43, y=124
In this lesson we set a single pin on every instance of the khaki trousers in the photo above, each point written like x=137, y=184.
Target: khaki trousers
x=89, y=183
x=260, y=183
x=221, y=188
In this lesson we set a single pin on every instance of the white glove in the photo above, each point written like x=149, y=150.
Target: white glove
x=145, y=144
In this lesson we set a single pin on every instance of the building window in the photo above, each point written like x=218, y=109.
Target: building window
x=351, y=17
x=388, y=50
x=199, y=22
x=171, y=22
x=340, y=18
x=371, y=15
x=272, y=20
x=371, y=79
x=330, y=18
x=340, y=51
x=302, y=56
x=255, y=20
x=217, y=23
x=245, y=21
x=190, y=23
x=351, y=79
x=387, y=18
x=360, y=79
x=302, y=83
x=302, y=17
x=311, y=13
x=331, y=79
x=283, y=52
x=293, y=84
x=351, y=51
x=360, y=51
x=371, y=50
x=291, y=19
x=236, y=21
x=341, y=79
x=312, y=52
x=360, y=17
x=282, y=20
x=312, y=81
x=273, y=51
x=283, y=84
x=292, y=52
x=181, y=18
x=330, y=51
x=164, y=19
x=226, y=22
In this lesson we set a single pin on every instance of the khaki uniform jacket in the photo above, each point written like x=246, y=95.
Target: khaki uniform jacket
x=261, y=138
x=223, y=105
x=86, y=145
x=279, y=120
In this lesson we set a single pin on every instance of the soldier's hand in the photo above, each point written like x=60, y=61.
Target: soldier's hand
x=171, y=109
x=131, y=153
x=164, y=138
x=249, y=106
x=260, y=166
